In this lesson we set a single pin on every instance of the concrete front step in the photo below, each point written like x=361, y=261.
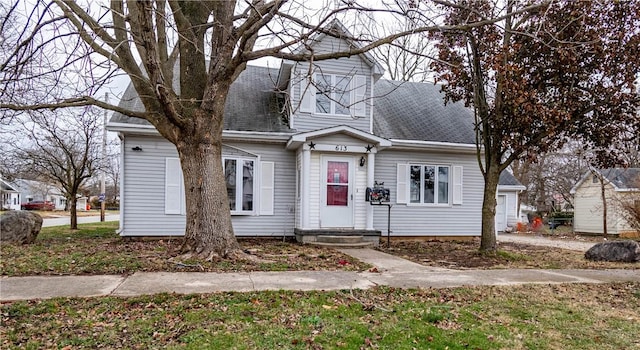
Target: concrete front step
x=340, y=239
x=345, y=245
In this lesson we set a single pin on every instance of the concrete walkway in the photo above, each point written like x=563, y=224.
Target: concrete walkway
x=391, y=271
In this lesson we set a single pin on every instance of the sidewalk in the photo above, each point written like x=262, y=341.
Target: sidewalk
x=392, y=271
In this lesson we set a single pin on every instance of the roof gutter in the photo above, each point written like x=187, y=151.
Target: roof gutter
x=511, y=188
x=434, y=145
x=133, y=128
x=261, y=136
x=227, y=135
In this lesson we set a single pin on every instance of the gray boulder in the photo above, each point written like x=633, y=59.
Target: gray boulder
x=621, y=251
x=19, y=227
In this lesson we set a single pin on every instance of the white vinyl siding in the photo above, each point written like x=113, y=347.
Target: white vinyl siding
x=391, y=167
x=303, y=94
x=588, y=209
x=144, y=190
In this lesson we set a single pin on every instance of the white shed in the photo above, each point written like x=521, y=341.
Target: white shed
x=620, y=186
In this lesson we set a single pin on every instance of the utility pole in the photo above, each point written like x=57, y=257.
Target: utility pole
x=103, y=176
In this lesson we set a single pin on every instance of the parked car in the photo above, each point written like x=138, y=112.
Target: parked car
x=37, y=205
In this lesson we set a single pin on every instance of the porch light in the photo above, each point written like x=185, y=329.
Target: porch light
x=362, y=161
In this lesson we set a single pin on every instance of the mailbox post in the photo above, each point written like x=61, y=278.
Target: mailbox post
x=379, y=195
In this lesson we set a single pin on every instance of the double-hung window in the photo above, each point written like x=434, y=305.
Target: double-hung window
x=239, y=177
x=333, y=95
x=249, y=182
x=429, y=184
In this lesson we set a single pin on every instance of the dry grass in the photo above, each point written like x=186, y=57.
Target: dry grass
x=466, y=255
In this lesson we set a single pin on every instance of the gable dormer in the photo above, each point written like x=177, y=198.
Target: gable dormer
x=331, y=92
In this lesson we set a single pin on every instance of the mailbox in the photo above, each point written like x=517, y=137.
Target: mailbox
x=378, y=193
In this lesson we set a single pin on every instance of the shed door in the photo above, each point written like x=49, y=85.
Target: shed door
x=336, y=195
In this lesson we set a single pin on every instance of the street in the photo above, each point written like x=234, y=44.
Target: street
x=81, y=220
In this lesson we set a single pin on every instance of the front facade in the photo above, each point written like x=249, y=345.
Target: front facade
x=620, y=186
x=307, y=170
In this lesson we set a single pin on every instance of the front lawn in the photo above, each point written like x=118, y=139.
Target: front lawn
x=466, y=255
x=573, y=316
x=96, y=249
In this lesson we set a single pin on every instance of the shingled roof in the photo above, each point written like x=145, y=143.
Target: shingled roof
x=251, y=104
x=416, y=111
x=402, y=110
x=622, y=178
x=507, y=179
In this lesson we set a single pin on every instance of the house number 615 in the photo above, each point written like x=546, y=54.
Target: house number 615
x=341, y=148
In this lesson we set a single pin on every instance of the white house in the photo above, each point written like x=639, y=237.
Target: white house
x=33, y=190
x=620, y=185
x=305, y=171
x=9, y=196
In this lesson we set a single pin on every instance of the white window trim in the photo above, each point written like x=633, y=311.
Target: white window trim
x=435, y=195
x=333, y=98
x=256, y=177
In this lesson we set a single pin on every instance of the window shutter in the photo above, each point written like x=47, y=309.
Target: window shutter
x=359, y=89
x=266, y=188
x=401, y=181
x=173, y=196
x=308, y=96
x=457, y=185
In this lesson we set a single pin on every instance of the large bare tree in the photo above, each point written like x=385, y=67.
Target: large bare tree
x=60, y=150
x=210, y=43
x=563, y=71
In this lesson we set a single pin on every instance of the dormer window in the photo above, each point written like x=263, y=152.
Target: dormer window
x=333, y=95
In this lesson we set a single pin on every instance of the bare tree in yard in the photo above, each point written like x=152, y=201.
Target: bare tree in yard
x=61, y=151
x=550, y=177
x=563, y=71
x=407, y=58
x=210, y=42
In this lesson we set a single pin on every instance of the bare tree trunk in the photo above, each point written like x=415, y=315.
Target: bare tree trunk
x=488, y=239
x=209, y=232
x=73, y=212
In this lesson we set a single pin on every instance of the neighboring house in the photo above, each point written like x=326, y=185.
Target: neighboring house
x=32, y=190
x=9, y=196
x=507, y=208
x=299, y=156
x=620, y=185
